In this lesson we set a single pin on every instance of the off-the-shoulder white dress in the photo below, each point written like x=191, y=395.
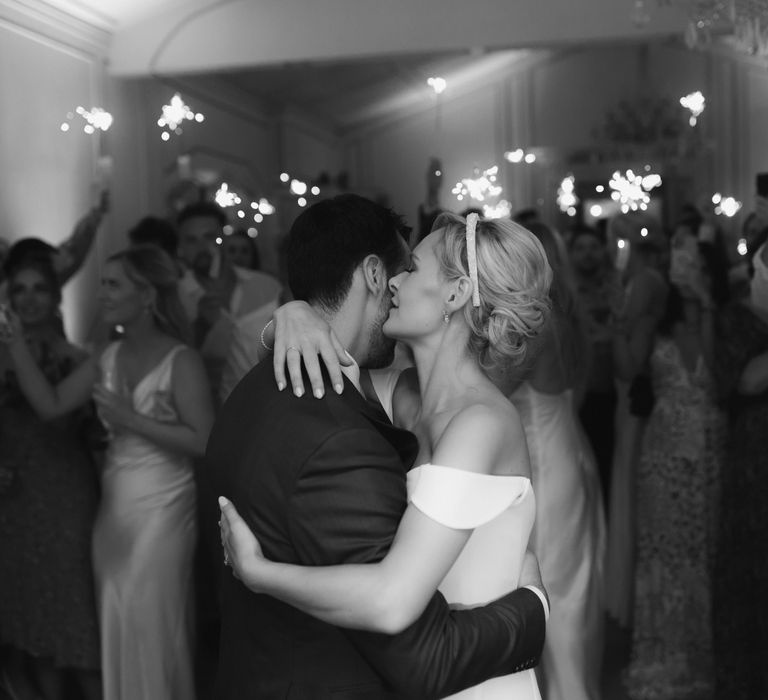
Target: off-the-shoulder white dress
x=501, y=511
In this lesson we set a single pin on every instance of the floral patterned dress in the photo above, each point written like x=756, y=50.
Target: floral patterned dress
x=741, y=582
x=677, y=480
x=48, y=502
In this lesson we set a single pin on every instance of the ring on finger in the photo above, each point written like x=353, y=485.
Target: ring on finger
x=293, y=347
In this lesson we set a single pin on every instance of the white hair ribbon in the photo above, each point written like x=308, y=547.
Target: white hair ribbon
x=472, y=257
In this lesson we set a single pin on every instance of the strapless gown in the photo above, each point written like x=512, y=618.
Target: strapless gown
x=501, y=510
x=143, y=547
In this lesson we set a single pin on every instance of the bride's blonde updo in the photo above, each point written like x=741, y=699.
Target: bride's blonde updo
x=513, y=280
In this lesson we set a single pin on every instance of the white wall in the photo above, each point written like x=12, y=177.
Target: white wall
x=49, y=64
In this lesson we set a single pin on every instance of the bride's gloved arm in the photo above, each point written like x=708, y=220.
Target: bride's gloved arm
x=298, y=335
x=191, y=397
x=387, y=596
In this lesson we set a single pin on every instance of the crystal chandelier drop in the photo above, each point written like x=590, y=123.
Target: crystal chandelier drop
x=743, y=22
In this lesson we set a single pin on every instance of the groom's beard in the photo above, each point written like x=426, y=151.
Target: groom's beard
x=381, y=350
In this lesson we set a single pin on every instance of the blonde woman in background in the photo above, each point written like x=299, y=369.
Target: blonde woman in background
x=152, y=393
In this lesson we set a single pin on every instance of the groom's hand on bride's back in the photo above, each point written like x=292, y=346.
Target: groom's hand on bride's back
x=530, y=574
x=302, y=337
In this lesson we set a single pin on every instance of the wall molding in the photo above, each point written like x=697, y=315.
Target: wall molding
x=57, y=29
x=85, y=13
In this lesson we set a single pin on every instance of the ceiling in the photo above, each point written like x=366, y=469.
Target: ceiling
x=345, y=94
x=350, y=61
x=192, y=36
x=311, y=84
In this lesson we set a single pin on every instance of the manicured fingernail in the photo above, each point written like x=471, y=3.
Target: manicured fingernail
x=339, y=388
x=318, y=393
x=280, y=386
x=222, y=502
x=298, y=391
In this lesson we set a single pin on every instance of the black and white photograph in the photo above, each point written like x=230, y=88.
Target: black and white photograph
x=383, y=350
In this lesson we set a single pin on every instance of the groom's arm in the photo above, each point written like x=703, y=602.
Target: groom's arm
x=346, y=508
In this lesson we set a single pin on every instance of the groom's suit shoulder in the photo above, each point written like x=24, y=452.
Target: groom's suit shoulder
x=256, y=408
x=260, y=427
x=257, y=395
x=306, y=473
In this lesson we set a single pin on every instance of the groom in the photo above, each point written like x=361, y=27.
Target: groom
x=323, y=481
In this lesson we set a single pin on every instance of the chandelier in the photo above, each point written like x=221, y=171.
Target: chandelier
x=743, y=22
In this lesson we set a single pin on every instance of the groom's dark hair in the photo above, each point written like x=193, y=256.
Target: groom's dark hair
x=331, y=238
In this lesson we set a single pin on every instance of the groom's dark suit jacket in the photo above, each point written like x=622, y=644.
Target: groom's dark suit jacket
x=323, y=482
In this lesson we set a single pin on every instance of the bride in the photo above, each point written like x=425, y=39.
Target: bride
x=474, y=296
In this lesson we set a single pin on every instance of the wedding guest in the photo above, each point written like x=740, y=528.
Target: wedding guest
x=671, y=654
x=741, y=621
x=215, y=293
x=241, y=250
x=569, y=534
x=48, y=500
x=755, y=228
x=701, y=222
x=754, y=232
x=152, y=230
x=69, y=256
x=152, y=394
x=639, y=259
x=598, y=288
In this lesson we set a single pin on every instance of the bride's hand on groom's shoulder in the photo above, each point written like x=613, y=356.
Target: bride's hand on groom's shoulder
x=242, y=551
x=303, y=337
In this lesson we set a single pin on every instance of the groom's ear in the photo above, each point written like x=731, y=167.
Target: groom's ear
x=374, y=274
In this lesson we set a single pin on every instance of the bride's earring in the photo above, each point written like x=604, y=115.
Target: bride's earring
x=446, y=317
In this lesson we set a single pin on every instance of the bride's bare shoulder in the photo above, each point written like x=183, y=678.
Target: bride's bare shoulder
x=485, y=436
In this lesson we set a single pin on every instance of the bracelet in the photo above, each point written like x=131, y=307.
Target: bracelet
x=261, y=337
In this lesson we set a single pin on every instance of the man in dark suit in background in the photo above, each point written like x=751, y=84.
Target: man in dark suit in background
x=323, y=481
